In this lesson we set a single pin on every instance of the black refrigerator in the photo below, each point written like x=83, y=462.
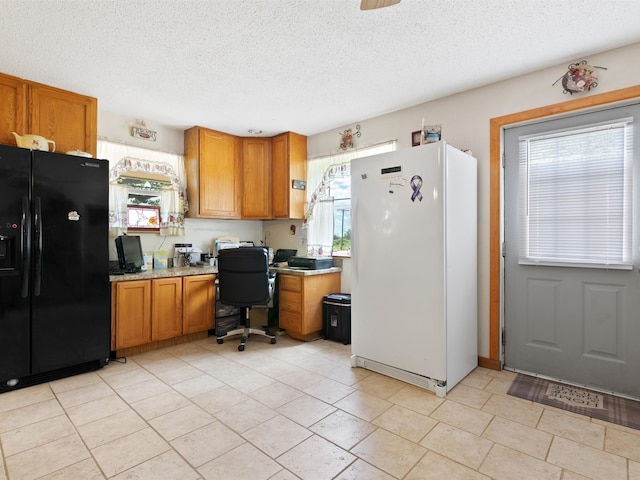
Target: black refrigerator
x=54, y=266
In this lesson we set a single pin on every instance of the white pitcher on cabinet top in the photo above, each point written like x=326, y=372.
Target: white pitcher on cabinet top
x=34, y=142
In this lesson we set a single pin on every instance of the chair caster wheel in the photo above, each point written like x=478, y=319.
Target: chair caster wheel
x=241, y=348
x=273, y=341
x=220, y=341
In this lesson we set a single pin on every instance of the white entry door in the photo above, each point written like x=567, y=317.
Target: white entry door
x=572, y=255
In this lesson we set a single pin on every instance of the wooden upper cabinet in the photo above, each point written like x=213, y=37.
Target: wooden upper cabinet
x=256, y=178
x=67, y=118
x=13, y=102
x=249, y=178
x=288, y=163
x=212, y=163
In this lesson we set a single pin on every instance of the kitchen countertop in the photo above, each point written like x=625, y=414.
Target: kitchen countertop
x=303, y=272
x=188, y=271
x=163, y=273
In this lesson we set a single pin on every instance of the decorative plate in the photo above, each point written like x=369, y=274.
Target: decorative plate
x=580, y=77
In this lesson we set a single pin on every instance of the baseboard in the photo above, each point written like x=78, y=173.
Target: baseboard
x=148, y=347
x=421, y=381
x=490, y=363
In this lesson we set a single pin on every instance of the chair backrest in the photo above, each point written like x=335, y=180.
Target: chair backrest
x=243, y=276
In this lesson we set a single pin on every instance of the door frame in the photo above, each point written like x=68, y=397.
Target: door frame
x=496, y=217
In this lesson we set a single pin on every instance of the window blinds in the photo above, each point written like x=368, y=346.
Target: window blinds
x=575, y=196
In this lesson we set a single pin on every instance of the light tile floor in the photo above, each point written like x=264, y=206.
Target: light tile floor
x=293, y=410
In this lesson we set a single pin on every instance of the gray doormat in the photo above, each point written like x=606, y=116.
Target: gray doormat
x=602, y=406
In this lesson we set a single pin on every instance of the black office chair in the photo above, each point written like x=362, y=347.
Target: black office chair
x=243, y=276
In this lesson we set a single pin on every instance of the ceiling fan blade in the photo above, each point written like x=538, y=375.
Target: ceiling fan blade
x=373, y=4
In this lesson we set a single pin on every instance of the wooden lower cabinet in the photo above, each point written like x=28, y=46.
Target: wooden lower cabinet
x=301, y=296
x=132, y=313
x=199, y=302
x=149, y=312
x=166, y=308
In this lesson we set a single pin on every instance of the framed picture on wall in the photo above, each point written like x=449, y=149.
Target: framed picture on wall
x=415, y=138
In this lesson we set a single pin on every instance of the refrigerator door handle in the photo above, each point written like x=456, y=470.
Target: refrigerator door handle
x=38, y=252
x=25, y=248
x=354, y=238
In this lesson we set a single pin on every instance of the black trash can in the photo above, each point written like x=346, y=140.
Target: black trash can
x=336, y=309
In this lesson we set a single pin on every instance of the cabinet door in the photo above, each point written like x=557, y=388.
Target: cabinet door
x=69, y=119
x=290, y=301
x=256, y=178
x=198, y=300
x=13, y=108
x=314, y=288
x=133, y=313
x=212, y=163
x=291, y=322
x=166, y=308
x=288, y=163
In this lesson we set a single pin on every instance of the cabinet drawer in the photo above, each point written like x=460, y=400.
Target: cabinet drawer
x=291, y=282
x=290, y=302
x=290, y=321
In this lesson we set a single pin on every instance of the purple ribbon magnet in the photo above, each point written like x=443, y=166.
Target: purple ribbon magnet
x=416, y=185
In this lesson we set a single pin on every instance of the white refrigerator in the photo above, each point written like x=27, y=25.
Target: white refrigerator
x=414, y=265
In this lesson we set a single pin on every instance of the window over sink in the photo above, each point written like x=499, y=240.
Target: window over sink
x=143, y=202
x=147, y=190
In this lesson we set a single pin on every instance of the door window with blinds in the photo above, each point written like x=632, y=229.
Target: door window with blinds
x=576, y=192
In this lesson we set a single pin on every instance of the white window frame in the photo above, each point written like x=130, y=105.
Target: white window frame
x=319, y=180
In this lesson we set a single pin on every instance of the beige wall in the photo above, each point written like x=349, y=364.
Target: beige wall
x=465, y=124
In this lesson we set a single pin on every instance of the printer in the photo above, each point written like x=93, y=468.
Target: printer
x=311, y=263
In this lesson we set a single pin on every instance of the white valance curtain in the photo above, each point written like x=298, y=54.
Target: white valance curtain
x=171, y=212
x=321, y=171
x=117, y=209
x=129, y=159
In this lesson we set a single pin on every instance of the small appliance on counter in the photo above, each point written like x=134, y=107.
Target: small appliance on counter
x=311, y=263
x=225, y=242
x=283, y=255
x=185, y=255
x=229, y=242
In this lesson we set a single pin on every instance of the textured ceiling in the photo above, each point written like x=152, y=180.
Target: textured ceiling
x=302, y=65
